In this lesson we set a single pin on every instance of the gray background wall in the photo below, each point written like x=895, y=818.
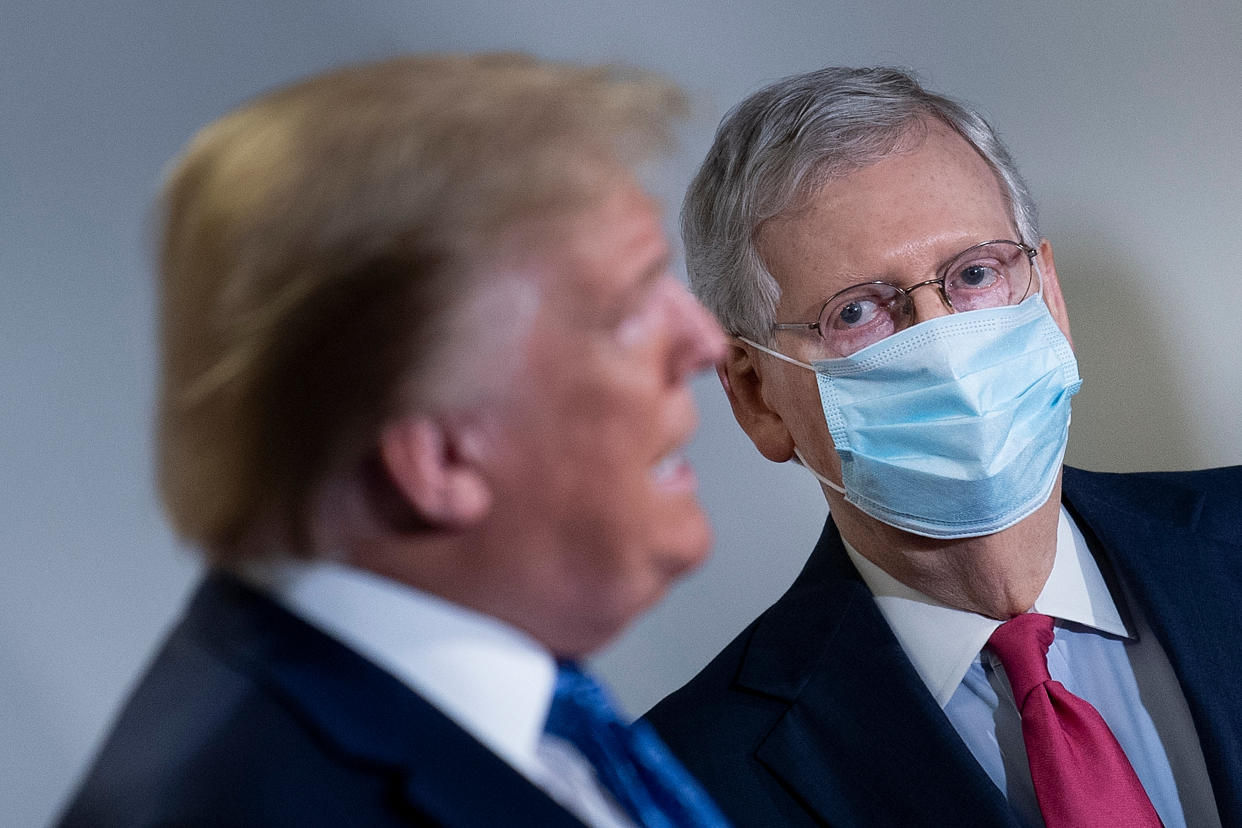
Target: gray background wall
x=1124, y=116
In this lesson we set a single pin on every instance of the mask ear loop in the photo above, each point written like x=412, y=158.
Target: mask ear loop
x=801, y=460
x=752, y=343
x=818, y=476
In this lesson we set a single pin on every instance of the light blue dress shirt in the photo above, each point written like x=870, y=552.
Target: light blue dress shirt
x=1115, y=664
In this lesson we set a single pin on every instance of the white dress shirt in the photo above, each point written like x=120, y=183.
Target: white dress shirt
x=1122, y=671
x=491, y=679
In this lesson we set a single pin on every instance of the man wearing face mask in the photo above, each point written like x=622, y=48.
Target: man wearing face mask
x=981, y=636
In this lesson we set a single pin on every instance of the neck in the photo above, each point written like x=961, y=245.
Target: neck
x=998, y=575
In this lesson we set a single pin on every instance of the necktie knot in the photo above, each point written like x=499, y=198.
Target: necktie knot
x=578, y=695
x=630, y=761
x=1021, y=644
x=1081, y=775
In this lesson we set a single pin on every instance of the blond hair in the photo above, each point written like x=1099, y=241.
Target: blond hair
x=316, y=240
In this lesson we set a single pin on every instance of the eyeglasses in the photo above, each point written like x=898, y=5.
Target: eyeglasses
x=989, y=275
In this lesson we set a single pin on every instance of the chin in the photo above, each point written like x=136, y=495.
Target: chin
x=609, y=622
x=591, y=637
x=694, y=545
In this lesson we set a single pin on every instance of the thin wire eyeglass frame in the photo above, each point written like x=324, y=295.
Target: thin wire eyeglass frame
x=819, y=327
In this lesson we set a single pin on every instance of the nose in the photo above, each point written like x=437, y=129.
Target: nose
x=700, y=342
x=928, y=304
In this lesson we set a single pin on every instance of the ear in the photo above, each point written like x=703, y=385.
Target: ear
x=1053, y=297
x=426, y=462
x=742, y=379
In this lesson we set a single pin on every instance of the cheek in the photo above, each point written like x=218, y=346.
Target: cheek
x=794, y=395
x=615, y=415
x=802, y=411
x=594, y=456
x=593, y=448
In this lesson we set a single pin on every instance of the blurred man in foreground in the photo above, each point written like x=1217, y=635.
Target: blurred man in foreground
x=423, y=407
x=980, y=637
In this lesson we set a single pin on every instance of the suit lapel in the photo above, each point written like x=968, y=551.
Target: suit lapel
x=1181, y=564
x=862, y=740
x=367, y=717
x=458, y=781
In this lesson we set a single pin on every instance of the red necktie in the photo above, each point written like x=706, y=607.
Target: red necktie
x=1082, y=777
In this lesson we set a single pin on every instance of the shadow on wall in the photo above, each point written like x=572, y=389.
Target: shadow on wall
x=1130, y=414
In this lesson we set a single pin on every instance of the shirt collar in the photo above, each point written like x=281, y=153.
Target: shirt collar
x=942, y=642
x=492, y=679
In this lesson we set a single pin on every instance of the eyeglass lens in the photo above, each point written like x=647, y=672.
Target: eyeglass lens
x=989, y=275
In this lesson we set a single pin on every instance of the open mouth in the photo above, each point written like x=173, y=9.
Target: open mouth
x=673, y=474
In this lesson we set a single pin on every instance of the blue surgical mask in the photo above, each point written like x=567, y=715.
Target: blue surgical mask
x=954, y=427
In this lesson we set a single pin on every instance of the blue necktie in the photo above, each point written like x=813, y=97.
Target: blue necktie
x=629, y=760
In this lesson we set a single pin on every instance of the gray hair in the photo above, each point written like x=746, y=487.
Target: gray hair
x=776, y=147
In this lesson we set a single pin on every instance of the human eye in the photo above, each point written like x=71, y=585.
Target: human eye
x=641, y=312
x=988, y=275
x=860, y=316
x=853, y=313
x=977, y=275
x=982, y=279
x=860, y=306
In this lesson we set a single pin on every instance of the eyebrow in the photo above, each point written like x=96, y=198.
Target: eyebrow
x=854, y=279
x=648, y=277
x=657, y=269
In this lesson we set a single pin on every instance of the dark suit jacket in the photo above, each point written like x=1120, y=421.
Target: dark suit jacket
x=814, y=715
x=249, y=716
